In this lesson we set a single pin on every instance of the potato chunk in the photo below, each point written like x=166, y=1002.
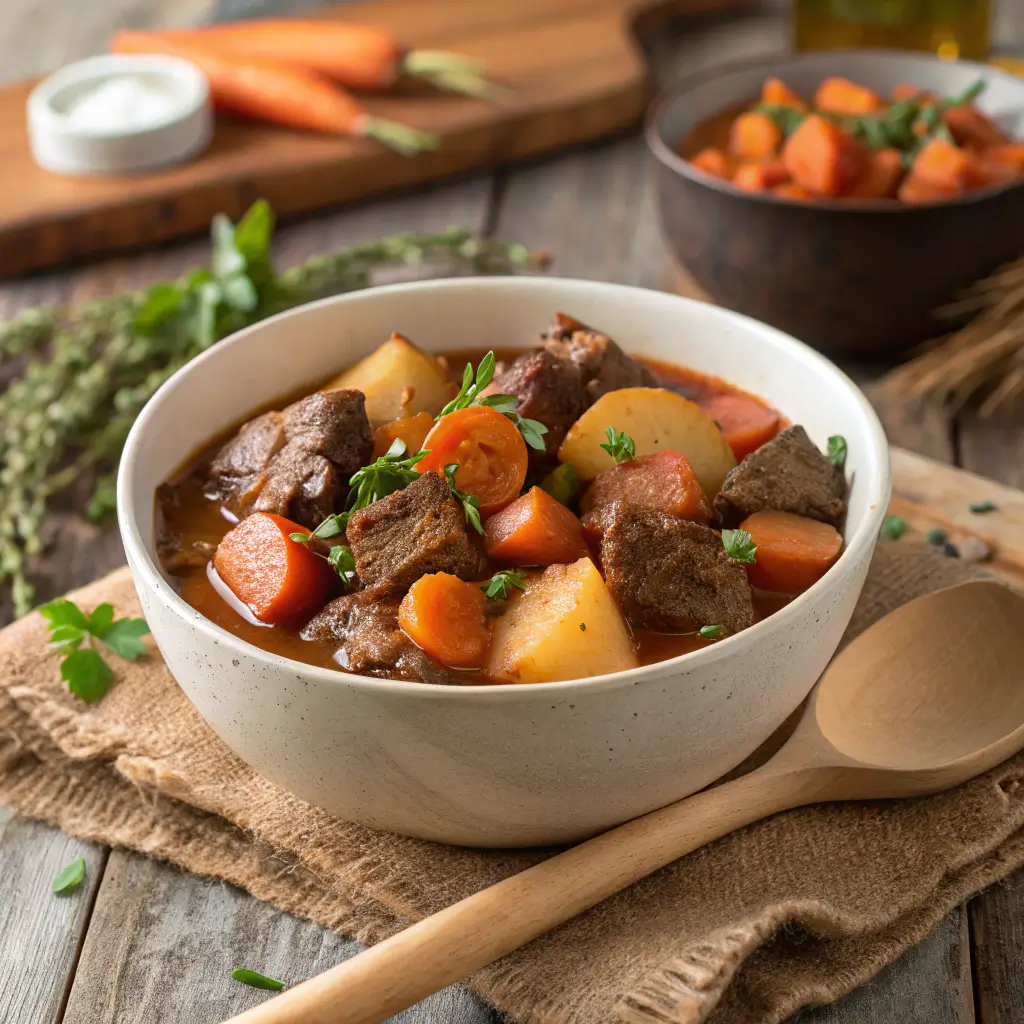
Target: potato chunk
x=399, y=380
x=657, y=420
x=566, y=626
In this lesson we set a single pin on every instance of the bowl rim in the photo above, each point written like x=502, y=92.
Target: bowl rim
x=878, y=470
x=677, y=90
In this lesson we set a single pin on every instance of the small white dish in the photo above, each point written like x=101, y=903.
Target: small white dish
x=159, y=114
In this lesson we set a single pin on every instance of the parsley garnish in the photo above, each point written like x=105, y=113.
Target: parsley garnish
x=836, y=453
x=386, y=475
x=83, y=668
x=620, y=445
x=257, y=980
x=936, y=535
x=533, y=431
x=979, y=508
x=500, y=583
x=71, y=877
x=739, y=546
x=470, y=502
x=709, y=632
x=339, y=558
x=893, y=527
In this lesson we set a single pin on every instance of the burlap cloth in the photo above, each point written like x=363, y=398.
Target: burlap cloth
x=746, y=930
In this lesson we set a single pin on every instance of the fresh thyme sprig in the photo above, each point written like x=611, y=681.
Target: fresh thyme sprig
x=470, y=502
x=620, y=445
x=500, y=585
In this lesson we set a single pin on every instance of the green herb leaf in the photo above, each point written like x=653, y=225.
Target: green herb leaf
x=979, y=508
x=161, y=303
x=124, y=637
x=709, y=632
x=505, y=404
x=240, y=293
x=101, y=619
x=63, y=612
x=563, y=483
x=299, y=538
x=500, y=584
x=254, y=232
x=226, y=260
x=787, y=118
x=739, y=546
x=334, y=525
x=67, y=638
x=470, y=502
x=256, y=980
x=936, y=535
x=340, y=559
x=836, y=453
x=386, y=475
x=103, y=501
x=88, y=676
x=472, y=385
x=893, y=527
x=533, y=431
x=969, y=95
x=620, y=446
x=71, y=877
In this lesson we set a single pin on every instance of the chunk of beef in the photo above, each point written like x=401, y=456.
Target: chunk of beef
x=672, y=575
x=549, y=388
x=372, y=643
x=788, y=474
x=296, y=462
x=412, y=532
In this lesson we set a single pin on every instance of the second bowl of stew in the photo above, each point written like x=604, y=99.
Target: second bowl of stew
x=501, y=562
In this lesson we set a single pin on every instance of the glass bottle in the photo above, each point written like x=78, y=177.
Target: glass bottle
x=949, y=28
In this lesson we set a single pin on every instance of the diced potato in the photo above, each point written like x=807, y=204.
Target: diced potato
x=657, y=420
x=399, y=380
x=565, y=626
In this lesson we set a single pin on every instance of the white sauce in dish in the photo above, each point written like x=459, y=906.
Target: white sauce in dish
x=128, y=103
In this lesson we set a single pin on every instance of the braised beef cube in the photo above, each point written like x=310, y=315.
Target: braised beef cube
x=296, y=463
x=671, y=574
x=788, y=474
x=412, y=532
x=605, y=367
x=550, y=389
x=372, y=642
x=564, y=326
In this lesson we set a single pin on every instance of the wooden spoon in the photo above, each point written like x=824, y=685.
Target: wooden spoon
x=926, y=699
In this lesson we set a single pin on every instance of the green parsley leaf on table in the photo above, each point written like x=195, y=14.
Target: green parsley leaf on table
x=980, y=508
x=470, y=502
x=739, y=546
x=71, y=877
x=893, y=527
x=256, y=980
x=84, y=669
x=836, y=453
x=500, y=584
x=620, y=446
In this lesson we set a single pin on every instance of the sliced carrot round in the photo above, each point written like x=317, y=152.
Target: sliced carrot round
x=793, y=552
x=535, y=530
x=444, y=616
x=276, y=577
x=489, y=449
x=746, y=423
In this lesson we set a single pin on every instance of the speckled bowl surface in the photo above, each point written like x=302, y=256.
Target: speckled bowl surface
x=851, y=278
x=498, y=765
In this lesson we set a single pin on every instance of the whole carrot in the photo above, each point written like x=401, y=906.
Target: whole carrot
x=359, y=56
x=283, y=94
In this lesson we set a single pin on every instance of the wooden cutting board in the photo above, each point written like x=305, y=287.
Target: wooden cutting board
x=573, y=66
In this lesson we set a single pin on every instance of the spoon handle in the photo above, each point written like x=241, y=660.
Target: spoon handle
x=448, y=946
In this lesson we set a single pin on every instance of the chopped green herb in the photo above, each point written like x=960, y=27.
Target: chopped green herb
x=83, y=668
x=340, y=559
x=71, y=877
x=709, y=632
x=563, y=484
x=620, y=446
x=257, y=980
x=390, y=473
x=979, y=508
x=470, y=502
x=936, y=535
x=893, y=527
x=836, y=453
x=583, y=627
x=500, y=584
x=739, y=546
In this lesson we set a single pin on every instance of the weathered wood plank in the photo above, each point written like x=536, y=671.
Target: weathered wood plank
x=162, y=945
x=40, y=933
x=997, y=931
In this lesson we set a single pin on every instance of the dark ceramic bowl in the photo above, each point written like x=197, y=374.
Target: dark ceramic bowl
x=851, y=278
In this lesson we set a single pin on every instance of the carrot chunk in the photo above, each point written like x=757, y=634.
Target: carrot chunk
x=905, y=91
x=882, y=177
x=276, y=577
x=823, y=158
x=535, y=530
x=412, y=430
x=946, y=166
x=915, y=190
x=712, y=161
x=793, y=552
x=746, y=423
x=1010, y=154
x=841, y=96
x=444, y=616
x=776, y=91
x=791, y=190
x=970, y=127
x=754, y=136
x=760, y=177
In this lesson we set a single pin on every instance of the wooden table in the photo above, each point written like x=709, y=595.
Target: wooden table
x=144, y=942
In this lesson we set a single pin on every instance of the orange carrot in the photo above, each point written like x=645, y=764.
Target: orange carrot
x=792, y=551
x=914, y=190
x=445, y=617
x=882, y=177
x=759, y=177
x=823, y=158
x=535, y=530
x=1010, y=154
x=712, y=161
x=410, y=429
x=791, y=190
x=776, y=91
x=275, y=577
x=905, y=91
x=746, y=423
x=359, y=56
x=970, y=127
x=841, y=96
x=280, y=93
x=754, y=136
x=946, y=166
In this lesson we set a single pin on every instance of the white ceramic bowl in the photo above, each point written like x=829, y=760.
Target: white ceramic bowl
x=499, y=765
